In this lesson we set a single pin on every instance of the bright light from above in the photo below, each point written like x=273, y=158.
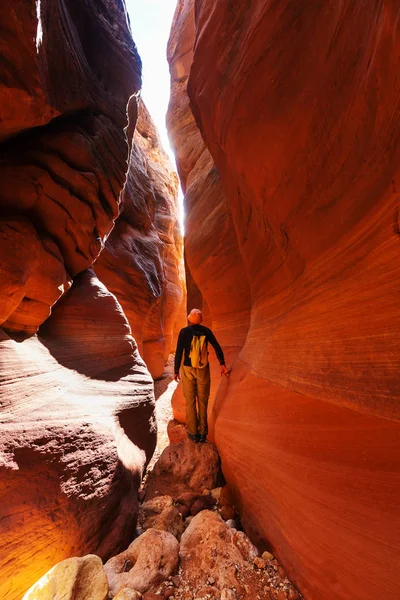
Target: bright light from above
x=151, y=23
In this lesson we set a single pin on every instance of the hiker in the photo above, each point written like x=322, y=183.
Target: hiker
x=193, y=342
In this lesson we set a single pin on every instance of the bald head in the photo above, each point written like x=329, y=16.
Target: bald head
x=195, y=316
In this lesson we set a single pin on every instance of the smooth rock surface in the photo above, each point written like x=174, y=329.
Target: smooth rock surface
x=295, y=102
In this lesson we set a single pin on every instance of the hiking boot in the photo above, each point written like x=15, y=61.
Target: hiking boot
x=202, y=438
x=193, y=437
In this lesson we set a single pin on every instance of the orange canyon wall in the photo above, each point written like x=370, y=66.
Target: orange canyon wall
x=291, y=183
x=77, y=404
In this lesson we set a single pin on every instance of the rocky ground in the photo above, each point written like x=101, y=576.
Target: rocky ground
x=189, y=543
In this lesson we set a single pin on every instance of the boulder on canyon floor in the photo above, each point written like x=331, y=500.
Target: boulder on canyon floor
x=72, y=579
x=185, y=466
x=152, y=557
x=160, y=513
x=210, y=550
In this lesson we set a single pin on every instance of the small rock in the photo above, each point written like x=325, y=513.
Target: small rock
x=202, y=503
x=232, y=523
x=267, y=555
x=128, y=594
x=169, y=520
x=281, y=595
x=168, y=592
x=176, y=580
x=260, y=563
x=184, y=511
x=246, y=548
x=228, y=595
x=208, y=592
x=216, y=493
x=187, y=498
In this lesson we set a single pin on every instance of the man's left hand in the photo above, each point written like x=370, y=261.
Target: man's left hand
x=225, y=371
x=176, y=377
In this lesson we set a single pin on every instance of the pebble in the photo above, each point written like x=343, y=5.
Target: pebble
x=267, y=555
x=232, y=523
x=260, y=563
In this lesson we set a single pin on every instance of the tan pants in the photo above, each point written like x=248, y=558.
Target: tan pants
x=196, y=386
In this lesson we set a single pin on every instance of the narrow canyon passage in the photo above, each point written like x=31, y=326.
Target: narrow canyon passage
x=284, y=123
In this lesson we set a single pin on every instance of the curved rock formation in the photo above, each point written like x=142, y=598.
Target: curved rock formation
x=296, y=104
x=142, y=263
x=77, y=409
x=63, y=156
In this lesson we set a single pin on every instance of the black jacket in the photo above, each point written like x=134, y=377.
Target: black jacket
x=185, y=339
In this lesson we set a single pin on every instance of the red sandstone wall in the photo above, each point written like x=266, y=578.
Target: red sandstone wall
x=298, y=105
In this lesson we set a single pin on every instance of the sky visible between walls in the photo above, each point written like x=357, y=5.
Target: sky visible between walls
x=151, y=24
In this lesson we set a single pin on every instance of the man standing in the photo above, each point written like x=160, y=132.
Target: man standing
x=193, y=342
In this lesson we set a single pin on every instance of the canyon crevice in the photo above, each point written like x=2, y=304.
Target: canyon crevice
x=284, y=121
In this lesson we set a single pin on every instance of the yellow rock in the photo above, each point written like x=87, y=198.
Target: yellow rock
x=72, y=579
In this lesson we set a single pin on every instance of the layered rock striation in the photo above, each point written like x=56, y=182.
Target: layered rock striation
x=296, y=106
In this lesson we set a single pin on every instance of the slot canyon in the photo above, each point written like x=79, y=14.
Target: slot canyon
x=284, y=119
